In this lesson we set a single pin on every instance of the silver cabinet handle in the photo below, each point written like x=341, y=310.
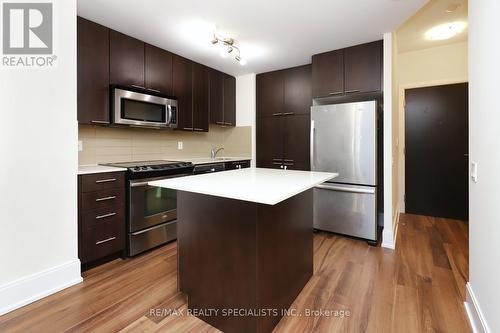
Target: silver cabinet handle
x=199, y=129
x=277, y=114
x=289, y=164
x=98, y=217
x=106, y=198
x=285, y=166
x=276, y=163
x=288, y=113
x=229, y=124
x=212, y=170
x=277, y=159
x=155, y=90
x=351, y=91
x=311, y=148
x=188, y=128
x=138, y=86
x=139, y=184
x=287, y=160
x=346, y=189
x=336, y=93
x=105, y=240
x=99, y=122
x=219, y=122
x=109, y=180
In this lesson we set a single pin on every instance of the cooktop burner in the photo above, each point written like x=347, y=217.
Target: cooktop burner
x=152, y=169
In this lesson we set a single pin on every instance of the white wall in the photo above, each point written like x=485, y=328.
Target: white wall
x=484, y=134
x=38, y=181
x=245, y=105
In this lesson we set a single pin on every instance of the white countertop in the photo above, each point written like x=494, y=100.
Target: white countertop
x=266, y=186
x=94, y=168
x=207, y=160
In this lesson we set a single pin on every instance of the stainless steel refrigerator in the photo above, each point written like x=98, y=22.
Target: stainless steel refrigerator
x=344, y=140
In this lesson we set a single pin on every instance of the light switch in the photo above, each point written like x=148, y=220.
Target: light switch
x=473, y=171
x=80, y=145
x=179, y=145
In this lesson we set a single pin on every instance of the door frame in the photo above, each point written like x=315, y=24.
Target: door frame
x=402, y=131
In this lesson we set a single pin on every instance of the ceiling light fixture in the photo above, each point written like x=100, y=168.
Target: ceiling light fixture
x=445, y=31
x=228, y=46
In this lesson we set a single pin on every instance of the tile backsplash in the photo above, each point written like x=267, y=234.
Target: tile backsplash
x=108, y=145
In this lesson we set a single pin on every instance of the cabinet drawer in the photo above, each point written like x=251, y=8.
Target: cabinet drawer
x=237, y=165
x=102, y=181
x=105, y=198
x=114, y=214
x=103, y=240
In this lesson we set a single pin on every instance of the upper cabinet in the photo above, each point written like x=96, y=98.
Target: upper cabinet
x=183, y=91
x=363, y=68
x=126, y=56
x=200, y=97
x=92, y=72
x=270, y=94
x=222, y=98
x=158, y=69
x=328, y=74
x=357, y=69
x=297, y=90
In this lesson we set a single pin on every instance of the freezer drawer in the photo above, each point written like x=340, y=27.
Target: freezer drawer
x=346, y=209
x=146, y=239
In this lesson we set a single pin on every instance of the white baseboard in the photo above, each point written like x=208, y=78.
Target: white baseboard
x=476, y=317
x=389, y=236
x=31, y=288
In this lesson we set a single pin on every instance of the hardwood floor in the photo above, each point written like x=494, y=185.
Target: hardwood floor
x=420, y=287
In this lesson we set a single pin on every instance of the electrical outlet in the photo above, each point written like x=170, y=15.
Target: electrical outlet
x=80, y=145
x=473, y=171
x=179, y=145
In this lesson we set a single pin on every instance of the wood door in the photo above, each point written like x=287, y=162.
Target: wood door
x=158, y=69
x=328, y=74
x=216, y=97
x=200, y=97
x=126, y=60
x=298, y=93
x=436, y=161
x=270, y=142
x=93, y=73
x=229, y=100
x=297, y=130
x=363, y=68
x=270, y=92
x=182, y=89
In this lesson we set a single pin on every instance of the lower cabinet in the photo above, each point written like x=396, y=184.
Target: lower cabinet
x=237, y=165
x=101, y=216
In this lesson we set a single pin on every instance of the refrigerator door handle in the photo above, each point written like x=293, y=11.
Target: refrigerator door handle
x=311, y=148
x=346, y=189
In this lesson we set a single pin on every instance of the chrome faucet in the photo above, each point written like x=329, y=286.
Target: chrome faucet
x=214, y=151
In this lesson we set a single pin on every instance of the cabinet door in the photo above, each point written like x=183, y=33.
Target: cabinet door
x=182, y=89
x=200, y=97
x=298, y=95
x=363, y=67
x=126, y=59
x=270, y=142
x=216, y=97
x=270, y=94
x=328, y=74
x=297, y=130
x=93, y=73
x=158, y=69
x=229, y=100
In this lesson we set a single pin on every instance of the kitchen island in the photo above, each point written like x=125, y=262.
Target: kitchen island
x=245, y=243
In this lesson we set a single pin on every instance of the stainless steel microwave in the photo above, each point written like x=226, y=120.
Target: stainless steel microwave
x=141, y=108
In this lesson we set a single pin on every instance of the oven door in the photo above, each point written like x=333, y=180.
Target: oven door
x=150, y=205
x=139, y=109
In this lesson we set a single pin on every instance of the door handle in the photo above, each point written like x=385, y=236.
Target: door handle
x=98, y=217
x=346, y=189
x=351, y=91
x=311, y=148
x=105, y=180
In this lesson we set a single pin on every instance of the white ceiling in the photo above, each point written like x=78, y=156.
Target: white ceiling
x=272, y=34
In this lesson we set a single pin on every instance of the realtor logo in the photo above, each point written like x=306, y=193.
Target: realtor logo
x=27, y=28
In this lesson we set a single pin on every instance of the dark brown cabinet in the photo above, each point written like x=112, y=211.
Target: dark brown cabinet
x=363, y=68
x=233, y=165
x=126, y=56
x=101, y=216
x=200, y=97
x=356, y=69
x=182, y=90
x=283, y=125
x=158, y=69
x=222, y=99
x=328, y=74
x=92, y=72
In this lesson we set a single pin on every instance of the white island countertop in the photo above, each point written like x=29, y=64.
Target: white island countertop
x=266, y=186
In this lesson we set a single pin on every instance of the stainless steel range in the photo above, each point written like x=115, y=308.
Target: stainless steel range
x=151, y=211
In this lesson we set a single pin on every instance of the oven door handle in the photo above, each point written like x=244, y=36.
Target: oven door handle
x=152, y=228
x=138, y=184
